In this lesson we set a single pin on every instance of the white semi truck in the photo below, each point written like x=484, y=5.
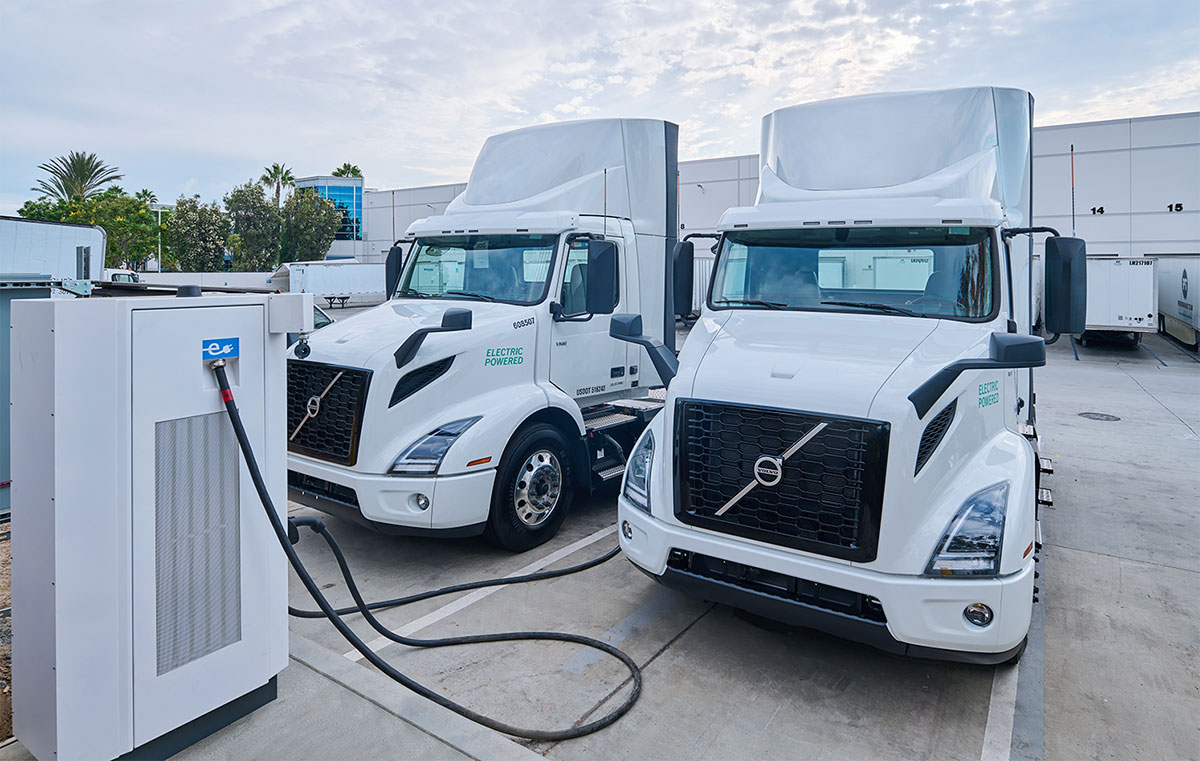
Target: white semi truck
x=847, y=442
x=487, y=392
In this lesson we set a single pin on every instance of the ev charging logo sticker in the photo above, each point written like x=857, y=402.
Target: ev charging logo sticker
x=219, y=348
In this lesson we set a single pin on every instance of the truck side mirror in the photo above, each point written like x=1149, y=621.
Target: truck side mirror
x=625, y=326
x=1015, y=350
x=392, y=268
x=456, y=319
x=684, y=253
x=628, y=327
x=601, y=296
x=452, y=320
x=1065, y=304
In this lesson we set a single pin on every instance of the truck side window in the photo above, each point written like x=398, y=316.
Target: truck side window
x=574, y=288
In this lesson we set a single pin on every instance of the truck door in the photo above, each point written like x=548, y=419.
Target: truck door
x=585, y=362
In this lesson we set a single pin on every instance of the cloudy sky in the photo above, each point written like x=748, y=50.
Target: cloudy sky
x=197, y=97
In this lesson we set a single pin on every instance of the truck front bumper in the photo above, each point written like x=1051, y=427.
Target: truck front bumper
x=458, y=505
x=924, y=616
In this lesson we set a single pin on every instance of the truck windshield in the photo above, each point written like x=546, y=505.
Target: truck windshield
x=916, y=271
x=509, y=268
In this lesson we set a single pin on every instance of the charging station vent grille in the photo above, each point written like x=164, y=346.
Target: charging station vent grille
x=197, y=538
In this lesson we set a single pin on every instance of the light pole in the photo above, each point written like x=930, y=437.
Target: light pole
x=159, y=207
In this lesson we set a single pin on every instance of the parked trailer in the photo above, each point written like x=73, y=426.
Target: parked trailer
x=1122, y=295
x=1177, y=297
x=55, y=250
x=340, y=282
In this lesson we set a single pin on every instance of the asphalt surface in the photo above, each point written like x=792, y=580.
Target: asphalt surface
x=1111, y=671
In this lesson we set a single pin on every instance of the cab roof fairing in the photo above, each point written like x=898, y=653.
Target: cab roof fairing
x=965, y=144
x=617, y=167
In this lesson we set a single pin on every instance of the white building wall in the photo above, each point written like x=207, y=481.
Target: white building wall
x=1131, y=176
x=388, y=213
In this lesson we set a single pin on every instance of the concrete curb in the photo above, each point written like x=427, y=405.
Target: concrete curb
x=462, y=734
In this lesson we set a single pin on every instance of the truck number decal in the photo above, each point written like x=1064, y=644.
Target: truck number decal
x=523, y=323
x=989, y=393
x=589, y=390
x=504, y=355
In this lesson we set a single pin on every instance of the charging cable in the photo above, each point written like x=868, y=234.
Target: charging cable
x=290, y=535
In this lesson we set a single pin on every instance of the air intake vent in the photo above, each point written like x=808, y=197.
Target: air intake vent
x=415, y=380
x=197, y=539
x=934, y=433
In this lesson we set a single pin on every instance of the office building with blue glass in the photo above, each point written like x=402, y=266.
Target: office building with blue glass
x=347, y=193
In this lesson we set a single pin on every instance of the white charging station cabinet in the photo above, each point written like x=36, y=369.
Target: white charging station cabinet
x=149, y=591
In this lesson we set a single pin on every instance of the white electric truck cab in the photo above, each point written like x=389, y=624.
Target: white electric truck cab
x=487, y=391
x=847, y=442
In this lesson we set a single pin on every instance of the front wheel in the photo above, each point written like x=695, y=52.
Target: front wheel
x=533, y=490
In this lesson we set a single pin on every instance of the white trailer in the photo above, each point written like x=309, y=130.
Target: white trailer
x=1178, y=279
x=848, y=442
x=488, y=392
x=340, y=282
x=54, y=250
x=1122, y=295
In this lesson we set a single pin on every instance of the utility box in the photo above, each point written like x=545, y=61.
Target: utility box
x=149, y=590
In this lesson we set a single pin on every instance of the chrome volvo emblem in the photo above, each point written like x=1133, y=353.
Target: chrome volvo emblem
x=768, y=470
x=313, y=407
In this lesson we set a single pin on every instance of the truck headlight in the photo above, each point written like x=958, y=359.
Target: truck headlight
x=637, y=473
x=424, y=456
x=971, y=543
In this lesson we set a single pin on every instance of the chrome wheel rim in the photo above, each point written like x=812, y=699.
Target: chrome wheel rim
x=538, y=488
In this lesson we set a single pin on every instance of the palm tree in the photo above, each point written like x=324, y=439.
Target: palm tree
x=146, y=196
x=279, y=176
x=347, y=170
x=76, y=174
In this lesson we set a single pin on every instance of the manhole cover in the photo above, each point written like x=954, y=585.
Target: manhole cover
x=1099, y=416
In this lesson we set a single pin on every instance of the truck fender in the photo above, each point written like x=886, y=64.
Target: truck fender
x=505, y=411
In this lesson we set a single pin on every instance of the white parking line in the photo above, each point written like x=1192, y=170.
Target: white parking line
x=997, y=737
x=450, y=609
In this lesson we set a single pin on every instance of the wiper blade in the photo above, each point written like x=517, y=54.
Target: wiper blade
x=872, y=305
x=414, y=292
x=752, y=302
x=470, y=294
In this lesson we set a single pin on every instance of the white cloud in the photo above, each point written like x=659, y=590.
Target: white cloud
x=199, y=97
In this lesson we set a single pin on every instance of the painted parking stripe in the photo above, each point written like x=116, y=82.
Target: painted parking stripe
x=997, y=737
x=450, y=609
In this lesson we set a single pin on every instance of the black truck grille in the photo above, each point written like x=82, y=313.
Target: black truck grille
x=827, y=500
x=325, y=410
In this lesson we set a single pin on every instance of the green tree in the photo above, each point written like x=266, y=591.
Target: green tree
x=147, y=196
x=347, y=170
x=277, y=176
x=130, y=227
x=256, y=223
x=309, y=224
x=76, y=174
x=198, y=234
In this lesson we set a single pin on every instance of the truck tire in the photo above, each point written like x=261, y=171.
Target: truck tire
x=534, y=488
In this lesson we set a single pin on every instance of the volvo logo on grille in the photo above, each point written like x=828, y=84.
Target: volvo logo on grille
x=768, y=470
x=313, y=407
